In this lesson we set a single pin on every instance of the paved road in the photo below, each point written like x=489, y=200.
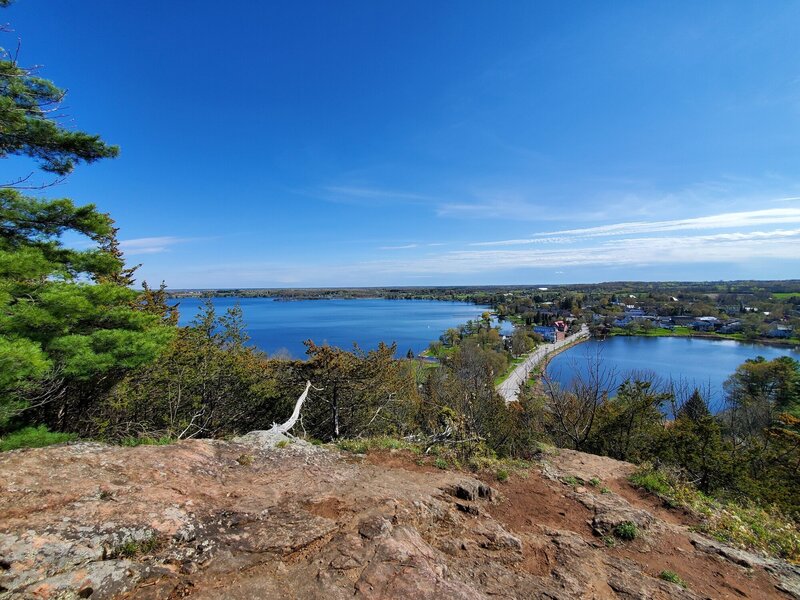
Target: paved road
x=510, y=387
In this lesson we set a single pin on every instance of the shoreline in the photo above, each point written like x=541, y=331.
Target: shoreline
x=710, y=336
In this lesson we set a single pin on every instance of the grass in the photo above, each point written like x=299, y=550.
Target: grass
x=33, y=437
x=282, y=444
x=447, y=457
x=364, y=445
x=652, y=481
x=245, y=460
x=132, y=547
x=785, y=295
x=146, y=440
x=627, y=531
x=672, y=577
x=594, y=482
x=745, y=526
x=572, y=480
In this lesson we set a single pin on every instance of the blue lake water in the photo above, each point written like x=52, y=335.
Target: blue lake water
x=703, y=363
x=276, y=326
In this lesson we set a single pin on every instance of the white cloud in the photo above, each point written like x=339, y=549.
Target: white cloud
x=406, y=247
x=718, y=248
x=370, y=195
x=733, y=248
x=149, y=245
x=771, y=216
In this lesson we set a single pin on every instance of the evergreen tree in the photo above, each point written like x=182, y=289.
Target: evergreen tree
x=695, y=407
x=28, y=104
x=54, y=323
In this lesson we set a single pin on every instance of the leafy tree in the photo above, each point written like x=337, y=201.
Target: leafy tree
x=760, y=390
x=571, y=412
x=521, y=342
x=628, y=425
x=207, y=383
x=358, y=393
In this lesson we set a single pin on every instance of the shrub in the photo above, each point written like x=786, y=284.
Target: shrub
x=282, y=444
x=245, y=460
x=146, y=440
x=33, y=437
x=133, y=547
x=652, y=481
x=572, y=480
x=626, y=531
x=672, y=577
x=735, y=523
x=502, y=475
x=440, y=463
x=594, y=482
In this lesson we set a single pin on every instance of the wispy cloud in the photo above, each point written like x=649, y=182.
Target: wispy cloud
x=370, y=195
x=719, y=248
x=732, y=248
x=149, y=245
x=772, y=216
x=405, y=247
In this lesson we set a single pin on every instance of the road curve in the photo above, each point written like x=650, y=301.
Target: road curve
x=509, y=389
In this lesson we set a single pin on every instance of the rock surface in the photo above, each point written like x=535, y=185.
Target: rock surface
x=249, y=519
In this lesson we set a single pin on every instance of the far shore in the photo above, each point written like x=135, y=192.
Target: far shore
x=791, y=342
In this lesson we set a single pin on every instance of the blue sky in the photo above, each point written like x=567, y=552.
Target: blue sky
x=433, y=143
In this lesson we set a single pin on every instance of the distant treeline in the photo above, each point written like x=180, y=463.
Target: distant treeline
x=461, y=293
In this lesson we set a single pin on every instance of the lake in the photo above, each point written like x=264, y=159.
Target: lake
x=701, y=363
x=276, y=326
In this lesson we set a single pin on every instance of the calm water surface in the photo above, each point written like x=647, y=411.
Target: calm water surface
x=283, y=326
x=697, y=362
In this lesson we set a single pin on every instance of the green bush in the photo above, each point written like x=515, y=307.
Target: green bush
x=33, y=437
x=502, y=475
x=652, y=481
x=739, y=524
x=133, y=547
x=626, y=531
x=672, y=577
x=364, y=445
x=146, y=440
x=440, y=463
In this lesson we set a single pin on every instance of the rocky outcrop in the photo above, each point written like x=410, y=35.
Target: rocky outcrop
x=255, y=519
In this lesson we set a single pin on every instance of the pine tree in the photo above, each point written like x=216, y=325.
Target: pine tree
x=695, y=408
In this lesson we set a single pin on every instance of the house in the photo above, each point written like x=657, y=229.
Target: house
x=700, y=325
x=548, y=333
x=780, y=331
x=561, y=330
x=731, y=327
x=664, y=322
